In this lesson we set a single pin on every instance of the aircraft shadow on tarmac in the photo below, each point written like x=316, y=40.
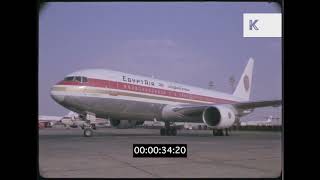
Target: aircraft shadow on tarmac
x=103, y=133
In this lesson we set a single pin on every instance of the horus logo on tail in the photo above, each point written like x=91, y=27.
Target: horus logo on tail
x=244, y=86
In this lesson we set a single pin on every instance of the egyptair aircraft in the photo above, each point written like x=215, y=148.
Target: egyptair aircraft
x=120, y=96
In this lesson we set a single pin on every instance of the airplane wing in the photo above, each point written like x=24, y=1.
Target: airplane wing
x=191, y=110
x=257, y=104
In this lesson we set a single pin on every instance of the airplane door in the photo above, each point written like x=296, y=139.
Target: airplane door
x=83, y=88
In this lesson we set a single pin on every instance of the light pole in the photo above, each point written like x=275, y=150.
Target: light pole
x=232, y=81
x=211, y=85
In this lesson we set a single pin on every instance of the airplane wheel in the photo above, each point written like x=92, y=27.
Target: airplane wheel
x=227, y=133
x=162, y=131
x=218, y=132
x=168, y=131
x=174, y=131
x=214, y=132
x=87, y=132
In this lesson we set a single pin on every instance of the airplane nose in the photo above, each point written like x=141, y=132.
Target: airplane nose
x=57, y=97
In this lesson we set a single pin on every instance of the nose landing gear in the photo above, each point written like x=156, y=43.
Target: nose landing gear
x=87, y=132
x=88, y=125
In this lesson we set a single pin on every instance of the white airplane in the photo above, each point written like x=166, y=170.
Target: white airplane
x=52, y=120
x=117, y=96
x=72, y=119
x=256, y=123
x=48, y=121
x=270, y=120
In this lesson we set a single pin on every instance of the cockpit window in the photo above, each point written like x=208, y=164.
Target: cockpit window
x=70, y=78
x=84, y=79
x=76, y=78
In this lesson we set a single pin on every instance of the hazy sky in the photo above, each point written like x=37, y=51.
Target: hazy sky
x=186, y=42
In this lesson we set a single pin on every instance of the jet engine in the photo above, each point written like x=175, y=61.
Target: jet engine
x=114, y=123
x=218, y=116
x=221, y=116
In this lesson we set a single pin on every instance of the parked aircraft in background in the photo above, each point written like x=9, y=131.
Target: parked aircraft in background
x=73, y=120
x=47, y=121
x=269, y=121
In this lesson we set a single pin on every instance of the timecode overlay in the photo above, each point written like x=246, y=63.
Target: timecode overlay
x=160, y=150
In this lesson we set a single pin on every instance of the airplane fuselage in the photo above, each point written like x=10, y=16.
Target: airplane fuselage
x=118, y=95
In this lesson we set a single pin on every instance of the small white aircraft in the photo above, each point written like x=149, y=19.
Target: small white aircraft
x=267, y=122
x=72, y=119
x=120, y=96
x=48, y=121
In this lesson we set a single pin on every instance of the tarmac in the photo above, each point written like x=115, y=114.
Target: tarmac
x=65, y=153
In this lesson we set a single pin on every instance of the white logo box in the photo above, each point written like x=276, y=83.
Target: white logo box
x=262, y=25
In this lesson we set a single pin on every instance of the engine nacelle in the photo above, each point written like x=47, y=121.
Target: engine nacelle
x=218, y=116
x=114, y=123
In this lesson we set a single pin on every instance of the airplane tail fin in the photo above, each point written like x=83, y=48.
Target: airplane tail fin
x=72, y=115
x=243, y=88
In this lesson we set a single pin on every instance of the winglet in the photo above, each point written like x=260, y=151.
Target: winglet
x=243, y=88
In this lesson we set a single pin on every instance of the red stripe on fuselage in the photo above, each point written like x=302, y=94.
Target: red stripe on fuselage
x=143, y=89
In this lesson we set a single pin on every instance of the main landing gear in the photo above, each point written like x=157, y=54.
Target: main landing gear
x=219, y=132
x=167, y=130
